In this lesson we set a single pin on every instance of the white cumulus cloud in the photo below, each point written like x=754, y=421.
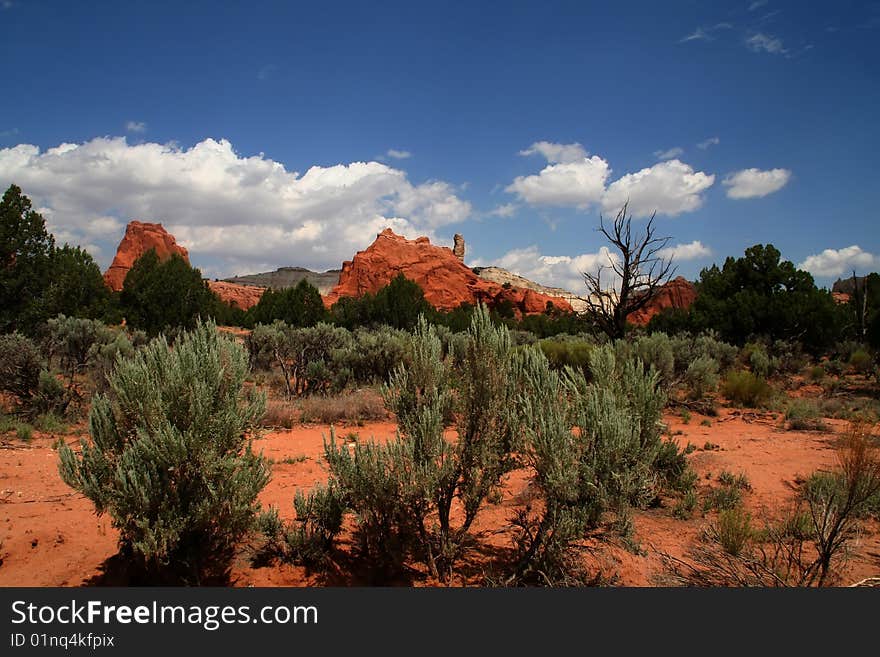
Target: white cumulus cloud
x=669, y=188
x=690, y=251
x=579, y=184
x=398, y=154
x=556, y=153
x=565, y=272
x=755, y=183
x=239, y=211
x=135, y=126
x=836, y=262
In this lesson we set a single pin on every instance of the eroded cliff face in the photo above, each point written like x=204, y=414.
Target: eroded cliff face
x=239, y=296
x=502, y=276
x=445, y=279
x=139, y=238
x=677, y=293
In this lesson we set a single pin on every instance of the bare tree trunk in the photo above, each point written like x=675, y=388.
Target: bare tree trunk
x=639, y=267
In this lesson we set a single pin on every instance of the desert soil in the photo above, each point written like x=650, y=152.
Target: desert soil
x=50, y=536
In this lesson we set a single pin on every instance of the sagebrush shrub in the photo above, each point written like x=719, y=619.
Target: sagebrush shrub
x=565, y=475
x=395, y=487
x=701, y=377
x=758, y=359
x=20, y=365
x=656, y=350
x=614, y=459
x=746, y=388
x=805, y=415
x=169, y=458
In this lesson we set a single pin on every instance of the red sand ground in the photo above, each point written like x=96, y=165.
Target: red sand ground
x=51, y=536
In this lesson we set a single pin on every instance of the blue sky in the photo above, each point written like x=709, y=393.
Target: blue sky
x=277, y=133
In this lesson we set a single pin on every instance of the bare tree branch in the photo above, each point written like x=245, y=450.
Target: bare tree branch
x=639, y=269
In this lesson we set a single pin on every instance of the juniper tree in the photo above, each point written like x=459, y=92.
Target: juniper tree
x=169, y=457
x=26, y=249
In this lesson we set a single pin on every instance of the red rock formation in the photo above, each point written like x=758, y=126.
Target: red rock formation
x=239, y=296
x=677, y=293
x=446, y=280
x=140, y=238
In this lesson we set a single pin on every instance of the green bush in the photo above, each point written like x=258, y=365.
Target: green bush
x=759, y=361
x=805, y=415
x=816, y=373
x=395, y=487
x=572, y=498
x=741, y=481
x=79, y=343
x=685, y=506
x=709, y=344
x=614, y=459
x=20, y=365
x=50, y=423
x=169, y=458
x=723, y=498
x=51, y=395
x=745, y=388
x=655, y=351
x=373, y=355
x=104, y=355
x=319, y=518
x=701, y=377
x=734, y=530
x=24, y=432
x=568, y=353
x=861, y=361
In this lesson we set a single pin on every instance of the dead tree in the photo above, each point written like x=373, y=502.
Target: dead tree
x=638, y=272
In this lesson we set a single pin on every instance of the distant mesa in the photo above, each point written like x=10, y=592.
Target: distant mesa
x=139, y=238
x=285, y=277
x=446, y=281
x=848, y=285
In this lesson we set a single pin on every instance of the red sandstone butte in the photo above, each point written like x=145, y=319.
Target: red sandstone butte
x=677, y=293
x=239, y=296
x=446, y=281
x=139, y=238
